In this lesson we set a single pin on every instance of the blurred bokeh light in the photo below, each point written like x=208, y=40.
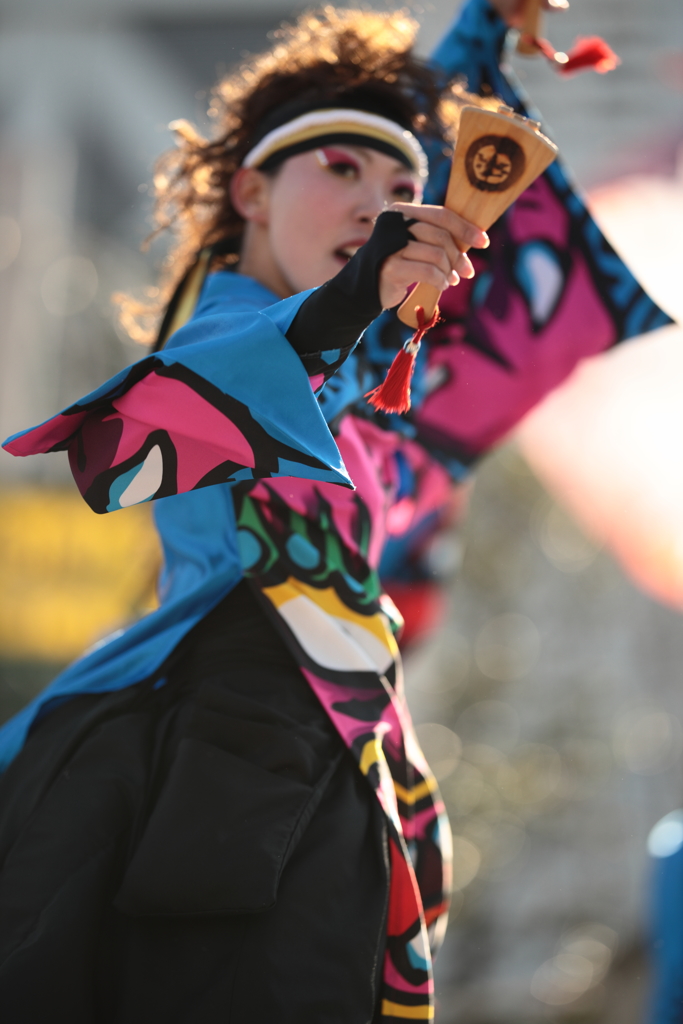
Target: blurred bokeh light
x=65, y=573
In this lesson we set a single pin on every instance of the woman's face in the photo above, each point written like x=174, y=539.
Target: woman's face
x=320, y=207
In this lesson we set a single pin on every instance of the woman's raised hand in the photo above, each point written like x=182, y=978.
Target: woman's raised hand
x=436, y=256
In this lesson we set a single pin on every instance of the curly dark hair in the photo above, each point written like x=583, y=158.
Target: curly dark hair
x=329, y=52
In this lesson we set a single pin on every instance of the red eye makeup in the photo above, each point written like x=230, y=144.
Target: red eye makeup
x=405, y=190
x=345, y=165
x=336, y=159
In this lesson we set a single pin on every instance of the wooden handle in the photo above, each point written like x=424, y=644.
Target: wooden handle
x=530, y=26
x=497, y=156
x=425, y=295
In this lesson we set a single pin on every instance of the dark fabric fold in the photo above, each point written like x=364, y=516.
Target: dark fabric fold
x=219, y=837
x=198, y=850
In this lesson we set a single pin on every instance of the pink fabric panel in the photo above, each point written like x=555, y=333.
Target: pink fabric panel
x=482, y=401
x=349, y=728
x=302, y=497
x=455, y=302
x=195, y=459
x=317, y=381
x=393, y=737
x=330, y=693
x=393, y=978
x=368, y=453
x=47, y=435
x=432, y=492
x=203, y=437
x=538, y=214
x=298, y=493
x=416, y=826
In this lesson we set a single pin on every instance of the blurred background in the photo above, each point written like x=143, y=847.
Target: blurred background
x=551, y=701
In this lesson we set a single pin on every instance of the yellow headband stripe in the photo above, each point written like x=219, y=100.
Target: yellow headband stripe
x=311, y=126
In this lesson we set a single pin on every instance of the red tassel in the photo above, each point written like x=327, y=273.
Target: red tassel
x=393, y=395
x=589, y=53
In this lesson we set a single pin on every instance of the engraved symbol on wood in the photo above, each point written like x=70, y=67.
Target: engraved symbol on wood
x=494, y=163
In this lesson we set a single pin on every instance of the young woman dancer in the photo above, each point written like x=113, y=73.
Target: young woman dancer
x=221, y=813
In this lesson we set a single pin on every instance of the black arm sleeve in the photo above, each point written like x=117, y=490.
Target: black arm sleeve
x=335, y=316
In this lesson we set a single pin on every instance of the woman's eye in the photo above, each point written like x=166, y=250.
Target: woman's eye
x=343, y=169
x=406, y=193
x=338, y=163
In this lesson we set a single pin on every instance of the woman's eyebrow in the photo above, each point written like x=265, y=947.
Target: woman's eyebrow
x=363, y=152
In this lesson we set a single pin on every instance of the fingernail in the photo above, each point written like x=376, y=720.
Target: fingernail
x=486, y=241
x=453, y=278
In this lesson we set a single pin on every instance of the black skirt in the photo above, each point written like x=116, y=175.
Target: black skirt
x=199, y=851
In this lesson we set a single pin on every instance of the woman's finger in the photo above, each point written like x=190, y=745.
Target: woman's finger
x=464, y=266
x=423, y=232
x=427, y=273
x=462, y=231
x=439, y=237
x=398, y=275
x=421, y=252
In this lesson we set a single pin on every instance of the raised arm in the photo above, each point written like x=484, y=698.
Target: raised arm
x=232, y=396
x=472, y=49
x=549, y=291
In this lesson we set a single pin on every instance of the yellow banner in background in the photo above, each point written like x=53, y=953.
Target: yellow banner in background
x=68, y=576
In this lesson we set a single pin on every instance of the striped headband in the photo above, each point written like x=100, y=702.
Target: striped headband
x=325, y=127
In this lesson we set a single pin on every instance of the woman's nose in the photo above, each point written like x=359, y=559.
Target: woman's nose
x=371, y=202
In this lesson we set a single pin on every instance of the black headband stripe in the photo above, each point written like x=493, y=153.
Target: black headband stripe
x=314, y=100
x=340, y=138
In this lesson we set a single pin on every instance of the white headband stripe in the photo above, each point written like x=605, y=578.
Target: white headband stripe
x=308, y=126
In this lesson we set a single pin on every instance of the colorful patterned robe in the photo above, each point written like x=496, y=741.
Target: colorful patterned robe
x=249, y=459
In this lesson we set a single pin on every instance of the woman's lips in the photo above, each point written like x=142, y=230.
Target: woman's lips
x=347, y=251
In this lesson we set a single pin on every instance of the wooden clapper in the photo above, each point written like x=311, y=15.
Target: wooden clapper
x=497, y=156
